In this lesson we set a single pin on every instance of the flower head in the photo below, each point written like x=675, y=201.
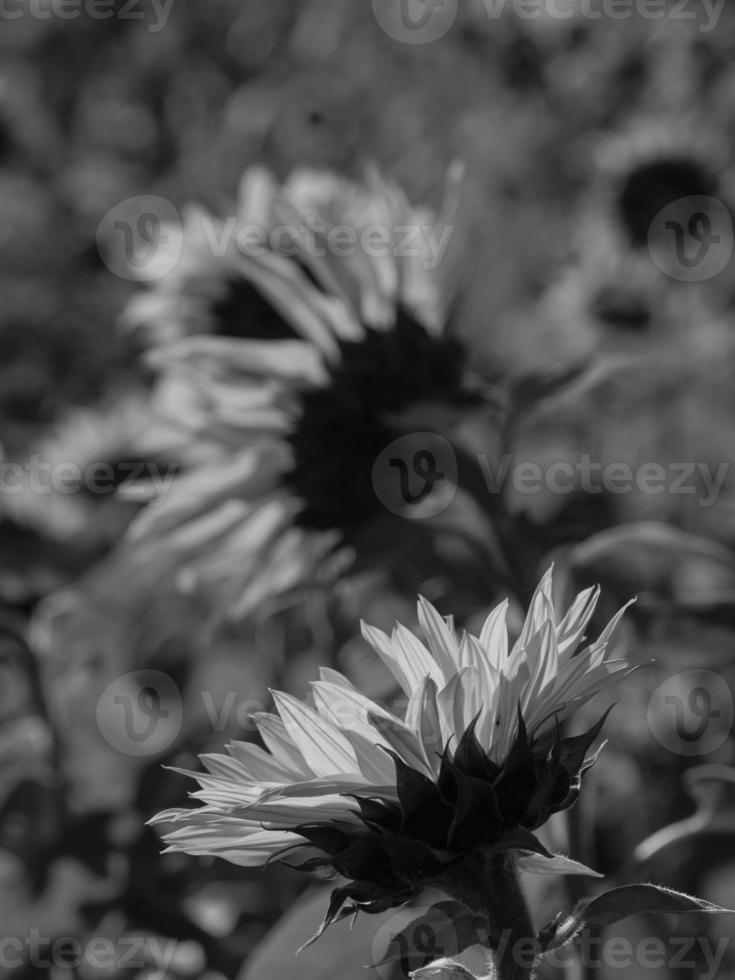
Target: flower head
x=392, y=800
x=650, y=166
x=96, y=450
x=287, y=429
x=318, y=258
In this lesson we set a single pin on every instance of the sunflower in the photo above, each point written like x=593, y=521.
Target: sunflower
x=623, y=287
x=392, y=802
x=651, y=165
x=236, y=276
x=613, y=298
x=82, y=461
x=287, y=431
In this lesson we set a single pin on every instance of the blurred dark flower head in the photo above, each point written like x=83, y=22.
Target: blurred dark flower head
x=652, y=165
x=306, y=367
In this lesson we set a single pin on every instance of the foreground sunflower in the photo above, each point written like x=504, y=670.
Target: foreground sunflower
x=395, y=802
x=286, y=431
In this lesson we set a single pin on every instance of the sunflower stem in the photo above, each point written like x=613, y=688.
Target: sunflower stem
x=515, y=948
x=490, y=888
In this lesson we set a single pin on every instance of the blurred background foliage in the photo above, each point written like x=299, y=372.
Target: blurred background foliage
x=575, y=134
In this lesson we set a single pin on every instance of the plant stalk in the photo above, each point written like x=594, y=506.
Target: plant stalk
x=490, y=888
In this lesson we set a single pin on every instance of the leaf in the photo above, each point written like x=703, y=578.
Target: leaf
x=617, y=904
x=445, y=969
x=557, y=864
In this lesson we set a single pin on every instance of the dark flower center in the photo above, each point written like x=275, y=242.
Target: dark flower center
x=652, y=186
x=345, y=425
x=245, y=313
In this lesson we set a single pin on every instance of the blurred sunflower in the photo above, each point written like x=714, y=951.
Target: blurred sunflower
x=394, y=802
x=229, y=276
x=650, y=166
x=69, y=488
x=624, y=287
x=616, y=299
x=287, y=430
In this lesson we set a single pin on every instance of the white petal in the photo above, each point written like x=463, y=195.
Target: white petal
x=415, y=659
x=345, y=707
x=494, y=635
x=250, y=850
x=325, y=749
x=402, y=741
x=540, y=609
x=259, y=765
x=382, y=645
x=375, y=764
x=571, y=629
x=543, y=664
x=335, y=677
x=279, y=742
x=286, y=359
x=442, y=642
x=327, y=786
x=458, y=704
x=422, y=715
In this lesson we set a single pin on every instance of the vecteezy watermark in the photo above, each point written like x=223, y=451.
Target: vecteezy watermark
x=100, y=478
x=610, y=953
x=618, y=478
x=415, y=21
x=140, y=713
x=415, y=477
x=692, y=712
x=317, y=240
x=691, y=239
x=706, y=13
x=142, y=239
x=99, y=954
x=417, y=935
x=424, y=21
x=154, y=13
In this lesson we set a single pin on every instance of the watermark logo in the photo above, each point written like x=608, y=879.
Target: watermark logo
x=92, y=956
x=424, y=21
x=153, y=13
x=691, y=713
x=416, y=936
x=140, y=713
x=136, y=481
x=691, y=239
x=415, y=21
x=415, y=476
x=141, y=238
